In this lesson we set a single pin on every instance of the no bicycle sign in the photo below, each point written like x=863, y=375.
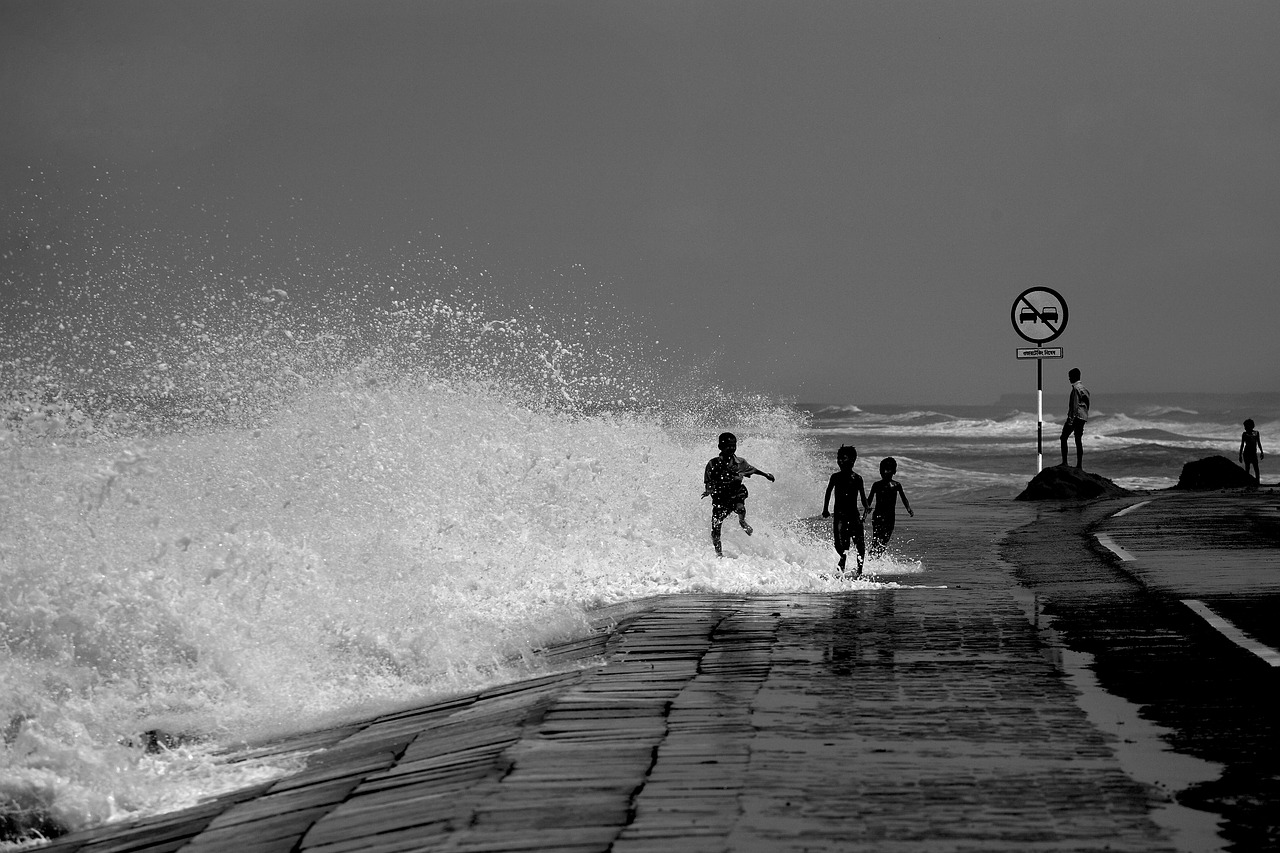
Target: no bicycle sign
x=1039, y=315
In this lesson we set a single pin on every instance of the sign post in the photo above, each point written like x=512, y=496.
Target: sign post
x=1039, y=315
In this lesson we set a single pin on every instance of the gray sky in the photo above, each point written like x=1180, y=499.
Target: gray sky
x=840, y=200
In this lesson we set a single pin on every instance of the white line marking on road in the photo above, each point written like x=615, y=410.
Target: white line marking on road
x=1232, y=633
x=1129, y=508
x=1105, y=541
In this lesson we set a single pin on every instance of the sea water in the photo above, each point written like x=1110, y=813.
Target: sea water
x=240, y=498
x=1138, y=440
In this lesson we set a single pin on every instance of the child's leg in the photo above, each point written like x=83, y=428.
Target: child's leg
x=741, y=509
x=840, y=533
x=718, y=514
x=859, y=541
x=881, y=530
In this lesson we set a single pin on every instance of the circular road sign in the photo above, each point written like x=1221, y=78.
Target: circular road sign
x=1039, y=314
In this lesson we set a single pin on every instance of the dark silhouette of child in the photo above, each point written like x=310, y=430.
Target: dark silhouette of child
x=723, y=481
x=846, y=524
x=884, y=494
x=1251, y=450
x=1077, y=416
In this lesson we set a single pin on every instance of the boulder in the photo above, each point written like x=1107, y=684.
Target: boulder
x=1061, y=483
x=1213, y=472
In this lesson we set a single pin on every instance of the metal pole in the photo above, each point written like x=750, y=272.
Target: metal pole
x=1039, y=417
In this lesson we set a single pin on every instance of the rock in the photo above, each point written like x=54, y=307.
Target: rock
x=1213, y=472
x=1061, y=483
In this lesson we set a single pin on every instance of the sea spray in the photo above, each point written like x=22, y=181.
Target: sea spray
x=257, y=506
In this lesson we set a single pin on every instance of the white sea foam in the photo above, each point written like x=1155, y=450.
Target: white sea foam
x=286, y=524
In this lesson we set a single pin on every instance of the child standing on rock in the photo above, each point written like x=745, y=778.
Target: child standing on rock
x=723, y=481
x=1251, y=450
x=885, y=493
x=1077, y=416
x=846, y=525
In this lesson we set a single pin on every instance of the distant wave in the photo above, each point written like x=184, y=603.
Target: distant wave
x=922, y=417
x=1169, y=424
x=1159, y=411
x=1121, y=425
x=925, y=423
x=1151, y=434
x=830, y=411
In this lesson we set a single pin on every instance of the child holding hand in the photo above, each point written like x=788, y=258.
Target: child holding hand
x=846, y=525
x=885, y=493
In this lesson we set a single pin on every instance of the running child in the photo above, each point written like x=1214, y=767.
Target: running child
x=723, y=481
x=885, y=493
x=846, y=525
x=1251, y=450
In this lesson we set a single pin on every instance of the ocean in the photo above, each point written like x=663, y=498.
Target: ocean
x=251, y=511
x=1138, y=440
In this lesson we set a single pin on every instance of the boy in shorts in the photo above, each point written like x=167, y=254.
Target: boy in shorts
x=1251, y=450
x=723, y=480
x=846, y=525
x=885, y=493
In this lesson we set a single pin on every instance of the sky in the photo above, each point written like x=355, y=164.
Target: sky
x=829, y=201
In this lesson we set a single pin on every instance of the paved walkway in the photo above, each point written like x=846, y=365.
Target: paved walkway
x=1173, y=602
x=911, y=719
x=1219, y=550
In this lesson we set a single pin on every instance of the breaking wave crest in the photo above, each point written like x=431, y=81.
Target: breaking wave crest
x=235, y=508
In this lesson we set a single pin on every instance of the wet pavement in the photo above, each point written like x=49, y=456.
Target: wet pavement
x=1131, y=614
x=935, y=717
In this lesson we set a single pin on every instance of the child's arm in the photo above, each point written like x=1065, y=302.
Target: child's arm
x=1258, y=436
x=1243, y=437
x=870, y=498
x=826, y=499
x=866, y=501
x=906, y=503
x=746, y=469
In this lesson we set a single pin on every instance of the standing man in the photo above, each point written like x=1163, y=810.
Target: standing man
x=1077, y=415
